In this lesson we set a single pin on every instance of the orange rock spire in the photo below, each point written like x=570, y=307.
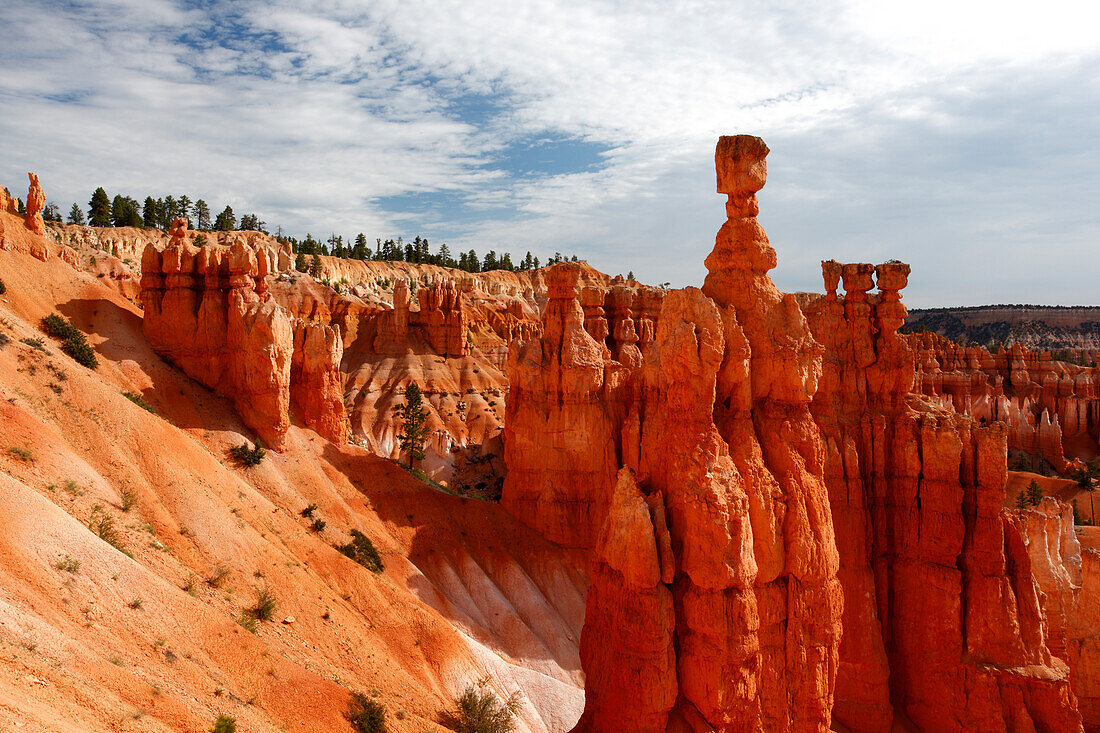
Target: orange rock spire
x=36, y=201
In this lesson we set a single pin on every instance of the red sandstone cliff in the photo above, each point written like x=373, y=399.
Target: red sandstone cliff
x=208, y=310
x=699, y=477
x=944, y=611
x=714, y=602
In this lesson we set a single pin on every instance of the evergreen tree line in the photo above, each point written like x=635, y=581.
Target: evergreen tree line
x=125, y=211
x=417, y=251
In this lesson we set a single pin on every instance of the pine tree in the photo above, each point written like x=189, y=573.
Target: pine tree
x=225, y=221
x=630, y=275
x=171, y=209
x=300, y=262
x=315, y=267
x=99, y=209
x=118, y=211
x=414, y=424
x=149, y=213
x=1022, y=501
x=76, y=216
x=1084, y=478
x=202, y=216
x=20, y=207
x=184, y=204
x=1034, y=493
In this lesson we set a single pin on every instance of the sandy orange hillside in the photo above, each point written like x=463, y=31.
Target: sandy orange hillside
x=92, y=640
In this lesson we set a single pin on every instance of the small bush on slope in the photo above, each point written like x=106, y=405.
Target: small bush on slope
x=265, y=605
x=103, y=524
x=224, y=724
x=478, y=710
x=138, y=400
x=362, y=551
x=366, y=715
x=249, y=456
x=73, y=341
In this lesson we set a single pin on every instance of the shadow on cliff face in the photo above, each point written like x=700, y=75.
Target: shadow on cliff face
x=176, y=397
x=518, y=599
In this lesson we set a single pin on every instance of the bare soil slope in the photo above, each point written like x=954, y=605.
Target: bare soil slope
x=94, y=640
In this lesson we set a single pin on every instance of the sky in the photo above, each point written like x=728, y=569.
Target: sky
x=962, y=137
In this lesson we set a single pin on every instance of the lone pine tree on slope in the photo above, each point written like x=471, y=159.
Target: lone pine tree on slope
x=414, y=424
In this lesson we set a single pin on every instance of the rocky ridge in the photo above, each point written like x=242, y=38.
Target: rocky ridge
x=1051, y=407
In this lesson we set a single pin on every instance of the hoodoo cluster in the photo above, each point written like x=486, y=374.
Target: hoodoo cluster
x=783, y=530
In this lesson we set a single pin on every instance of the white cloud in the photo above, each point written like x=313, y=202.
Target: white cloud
x=309, y=112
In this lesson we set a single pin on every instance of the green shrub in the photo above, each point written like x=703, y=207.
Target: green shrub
x=103, y=524
x=478, y=710
x=318, y=525
x=308, y=511
x=73, y=341
x=224, y=724
x=366, y=715
x=264, y=609
x=128, y=498
x=138, y=400
x=362, y=551
x=68, y=564
x=247, y=622
x=249, y=456
x=58, y=326
x=21, y=454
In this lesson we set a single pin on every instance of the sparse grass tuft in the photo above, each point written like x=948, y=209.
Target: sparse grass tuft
x=362, y=551
x=128, y=497
x=264, y=610
x=68, y=565
x=247, y=622
x=37, y=344
x=218, y=576
x=249, y=456
x=366, y=715
x=103, y=524
x=21, y=454
x=135, y=603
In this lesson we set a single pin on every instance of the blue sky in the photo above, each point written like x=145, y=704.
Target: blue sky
x=960, y=137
